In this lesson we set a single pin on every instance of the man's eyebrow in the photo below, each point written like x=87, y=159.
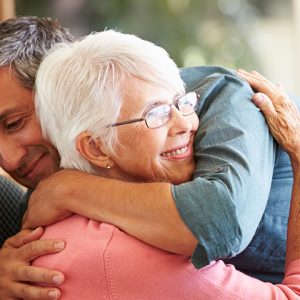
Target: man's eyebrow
x=21, y=108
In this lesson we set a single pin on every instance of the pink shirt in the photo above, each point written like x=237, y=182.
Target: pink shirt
x=102, y=262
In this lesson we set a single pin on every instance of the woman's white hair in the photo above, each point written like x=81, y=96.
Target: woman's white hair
x=79, y=88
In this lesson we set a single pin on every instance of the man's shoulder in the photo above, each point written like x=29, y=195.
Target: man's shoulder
x=221, y=90
x=193, y=76
x=210, y=79
x=215, y=82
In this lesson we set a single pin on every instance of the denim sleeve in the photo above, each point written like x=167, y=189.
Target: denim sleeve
x=235, y=154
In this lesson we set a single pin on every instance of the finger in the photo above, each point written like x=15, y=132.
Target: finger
x=261, y=84
x=252, y=73
x=23, y=291
x=34, y=235
x=38, y=248
x=258, y=75
x=24, y=237
x=256, y=79
x=260, y=78
x=246, y=73
x=38, y=275
x=264, y=103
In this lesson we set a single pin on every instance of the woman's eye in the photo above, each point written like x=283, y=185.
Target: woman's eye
x=14, y=125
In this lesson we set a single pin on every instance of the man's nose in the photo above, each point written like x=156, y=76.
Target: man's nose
x=10, y=156
x=179, y=124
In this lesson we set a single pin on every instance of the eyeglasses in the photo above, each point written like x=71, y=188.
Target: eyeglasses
x=160, y=115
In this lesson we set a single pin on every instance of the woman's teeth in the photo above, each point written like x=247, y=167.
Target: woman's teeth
x=175, y=152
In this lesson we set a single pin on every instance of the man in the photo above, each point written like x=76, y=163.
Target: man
x=24, y=154
x=222, y=206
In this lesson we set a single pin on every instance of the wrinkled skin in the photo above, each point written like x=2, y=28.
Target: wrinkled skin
x=280, y=112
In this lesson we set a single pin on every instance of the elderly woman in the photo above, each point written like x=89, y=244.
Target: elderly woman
x=111, y=115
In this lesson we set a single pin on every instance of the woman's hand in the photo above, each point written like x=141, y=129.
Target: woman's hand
x=280, y=112
x=48, y=202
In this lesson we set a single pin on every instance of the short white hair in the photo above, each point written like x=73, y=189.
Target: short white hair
x=79, y=87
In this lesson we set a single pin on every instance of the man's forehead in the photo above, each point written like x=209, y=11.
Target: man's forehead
x=13, y=96
x=6, y=73
x=8, y=77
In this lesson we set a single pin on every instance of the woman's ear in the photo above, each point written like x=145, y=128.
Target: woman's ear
x=93, y=150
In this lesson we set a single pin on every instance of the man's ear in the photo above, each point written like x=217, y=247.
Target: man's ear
x=93, y=150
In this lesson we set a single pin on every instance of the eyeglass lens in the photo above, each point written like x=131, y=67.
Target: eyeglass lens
x=159, y=115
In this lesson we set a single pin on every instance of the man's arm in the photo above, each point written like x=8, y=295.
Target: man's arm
x=235, y=156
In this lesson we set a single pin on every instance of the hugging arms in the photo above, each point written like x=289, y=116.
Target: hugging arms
x=120, y=202
x=169, y=124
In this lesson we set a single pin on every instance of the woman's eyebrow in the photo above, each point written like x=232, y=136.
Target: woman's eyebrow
x=160, y=101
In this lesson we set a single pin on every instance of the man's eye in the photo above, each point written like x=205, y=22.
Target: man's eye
x=14, y=125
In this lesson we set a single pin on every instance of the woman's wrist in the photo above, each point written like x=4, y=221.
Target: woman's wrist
x=295, y=161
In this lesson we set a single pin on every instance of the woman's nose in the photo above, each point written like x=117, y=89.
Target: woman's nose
x=178, y=123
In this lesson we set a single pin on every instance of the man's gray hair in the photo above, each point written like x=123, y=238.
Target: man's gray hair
x=79, y=87
x=25, y=40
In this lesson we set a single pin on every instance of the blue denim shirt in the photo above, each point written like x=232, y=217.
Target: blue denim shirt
x=238, y=200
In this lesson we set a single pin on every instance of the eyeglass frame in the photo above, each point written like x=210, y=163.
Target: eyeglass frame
x=175, y=103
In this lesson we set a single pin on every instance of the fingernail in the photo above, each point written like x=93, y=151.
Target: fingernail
x=57, y=279
x=37, y=229
x=59, y=245
x=258, y=98
x=53, y=294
